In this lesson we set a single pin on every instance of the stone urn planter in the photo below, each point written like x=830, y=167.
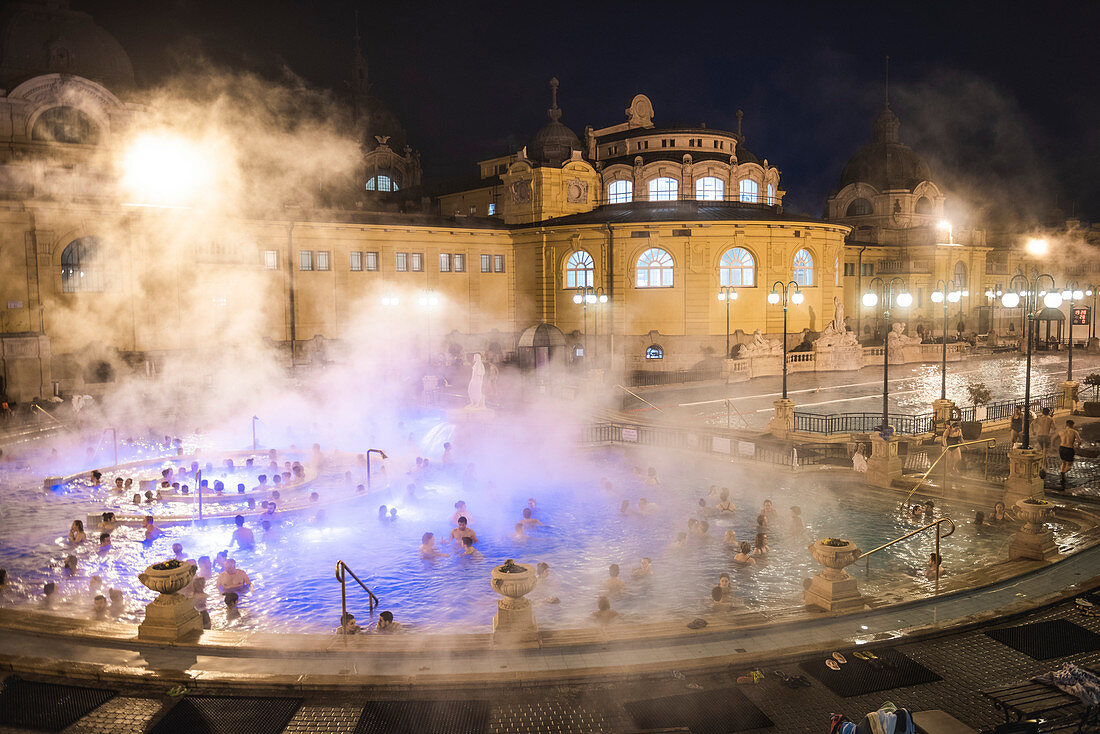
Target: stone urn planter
x=834, y=589
x=514, y=613
x=170, y=617
x=1034, y=541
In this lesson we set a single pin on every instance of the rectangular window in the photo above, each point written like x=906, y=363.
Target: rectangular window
x=271, y=259
x=498, y=263
x=355, y=259
x=305, y=260
x=460, y=263
x=473, y=211
x=444, y=262
x=372, y=260
x=486, y=264
x=868, y=269
x=402, y=262
x=416, y=262
x=322, y=259
x=492, y=209
x=920, y=298
x=849, y=269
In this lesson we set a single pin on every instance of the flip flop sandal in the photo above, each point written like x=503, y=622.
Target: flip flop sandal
x=839, y=658
x=757, y=676
x=177, y=691
x=832, y=664
x=695, y=686
x=677, y=675
x=785, y=679
x=860, y=656
x=745, y=680
x=880, y=663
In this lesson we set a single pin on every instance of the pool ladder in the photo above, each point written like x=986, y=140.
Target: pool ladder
x=865, y=557
x=989, y=443
x=341, y=574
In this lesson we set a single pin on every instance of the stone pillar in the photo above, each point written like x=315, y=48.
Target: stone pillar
x=941, y=410
x=171, y=617
x=1034, y=541
x=515, y=618
x=783, y=422
x=884, y=466
x=1023, y=475
x=834, y=589
x=1069, y=395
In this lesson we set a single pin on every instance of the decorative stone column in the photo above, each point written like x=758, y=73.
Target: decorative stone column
x=1034, y=541
x=834, y=589
x=170, y=617
x=1069, y=395
x=783, y=422
x=1023, y=475
x=515, y=619
x=884, y=466
x=941, y=411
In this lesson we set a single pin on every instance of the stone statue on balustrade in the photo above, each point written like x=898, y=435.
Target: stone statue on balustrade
x=836, y=332
x=761, y=347
x=903, y=348
x=837, y=348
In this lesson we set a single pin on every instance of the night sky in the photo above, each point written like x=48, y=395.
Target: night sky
x=1001, y=98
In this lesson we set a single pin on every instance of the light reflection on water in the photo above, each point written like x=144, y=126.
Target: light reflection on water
x=292, y=570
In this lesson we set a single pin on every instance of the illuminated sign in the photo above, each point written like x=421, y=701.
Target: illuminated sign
x=1081, y=316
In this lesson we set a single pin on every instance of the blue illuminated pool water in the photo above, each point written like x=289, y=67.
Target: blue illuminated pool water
x=294, y=588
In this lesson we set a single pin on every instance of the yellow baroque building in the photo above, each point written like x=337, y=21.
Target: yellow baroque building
x=608, y=249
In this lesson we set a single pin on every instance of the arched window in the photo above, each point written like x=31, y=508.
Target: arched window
x=80, y=268
x=663, y=189
x=859, y=208
x=65, y=125
x=654, y=269
x=620, y=192
x=750, y=190
x=960, y=275
x=382, y=182
x=923, y=205
x=804, y=268
x=654, y=351
x=709, y=189
x=737, y=268
x=578, y=270
x=771, y=193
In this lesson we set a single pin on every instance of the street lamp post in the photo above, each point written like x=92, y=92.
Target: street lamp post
x=1029, y=294
x=1072, y=293
x=945, y=296
x=1092, y=289
x=728, y=293
x=597, y=297
x=785, y=295
x=904, y=300
x=992, y=297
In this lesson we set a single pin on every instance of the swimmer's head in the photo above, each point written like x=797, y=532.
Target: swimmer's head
x=716, y=593
x=468, y=541
x=745, y=547
x=613, y=570
x=462, y=521
x=603, y=604
x=239, y=519
x=427, y=538
x=526, y=513
x=542, y=568
x=724, y=580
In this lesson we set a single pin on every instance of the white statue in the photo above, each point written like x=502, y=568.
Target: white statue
x=835, y=333
x=759, y=346
x=476, y=390
x=897, y=336
x=859, y=461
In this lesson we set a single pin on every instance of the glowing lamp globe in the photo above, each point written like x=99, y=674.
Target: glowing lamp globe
x=966, y=294
x=870, y=299
x=937, y=297
x=954, y=296
x=1078, y=295
x=1037, y=247
x=1052, y=300
x=1088, y=292
x=590, y=298
x=773, y=298
x=603, y=298
x=577, y=298
x=1010, y=300
x=905, y=300
x=160, y=169
x=721, y=296
x=1066, y=295
x=797, y=297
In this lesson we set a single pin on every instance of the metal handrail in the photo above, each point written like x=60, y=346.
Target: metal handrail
x=729, y=405
x=936, y=524
x=989, y=444
x=631, y=392
x=341, y=570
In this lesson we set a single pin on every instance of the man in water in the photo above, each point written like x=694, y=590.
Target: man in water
x=152, y=532
x=528, y=521
x=614, y=585
x=242, y=536
x=463, y=531
x=386, y=625
x=177, y=551
x=460, y=511
x=104, y=544
x=1068, y=438
x=232, y=614
x=468, y=550
x=643, y=570
x=233, y=579
x=428, y=550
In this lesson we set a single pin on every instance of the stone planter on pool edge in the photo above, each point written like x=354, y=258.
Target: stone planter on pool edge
x=834, y=589
x=1034, y=541
x=514, y=616
x=170, y=617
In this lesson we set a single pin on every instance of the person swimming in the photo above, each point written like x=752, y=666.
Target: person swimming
x=604, y=613
x=744, y=557
x=518, y=534
x=468, y=550
x=798, y=526
x=528, y=521
x=730, y=539
x=463, y=531
x=460, y=512
x=613, y=584
x=724, y=504
x=760, y=547
x=644, y=569
x=76, y=533
x=428, y=551
x=769, y=510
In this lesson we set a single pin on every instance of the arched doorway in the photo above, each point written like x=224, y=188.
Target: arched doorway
x=1048, y=329
x=541, y=346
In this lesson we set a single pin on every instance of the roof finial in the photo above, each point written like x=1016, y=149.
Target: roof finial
x=887, y=81
x=554, y=111
x=740, y=114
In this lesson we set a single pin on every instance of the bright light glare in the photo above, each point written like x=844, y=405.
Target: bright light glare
x=577, y=298
x=937, y=297
x=773, y=298
x=1088, y=292
x=721, y=296
x=603, y=298
x=797, y=297
x=160, y=169
x=429, y=300
x=870, y=299
x=590, y=298
x=905, y=300
x=944, y=224
x=1010, y=300
x=954, y=296
x=1052, y=300
x=389, y=300
x=1067, y=294
x=1037, y=247
x=1078, y=295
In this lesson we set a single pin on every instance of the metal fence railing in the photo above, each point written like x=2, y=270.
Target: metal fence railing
x=914, y=424
x=860, y=423
x=645, y=378
x=777, y=453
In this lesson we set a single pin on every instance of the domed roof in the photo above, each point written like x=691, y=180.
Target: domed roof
x=554, y=143
x=541, y=335
x=378, y=123
x=885, y=162
x=37, y=38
